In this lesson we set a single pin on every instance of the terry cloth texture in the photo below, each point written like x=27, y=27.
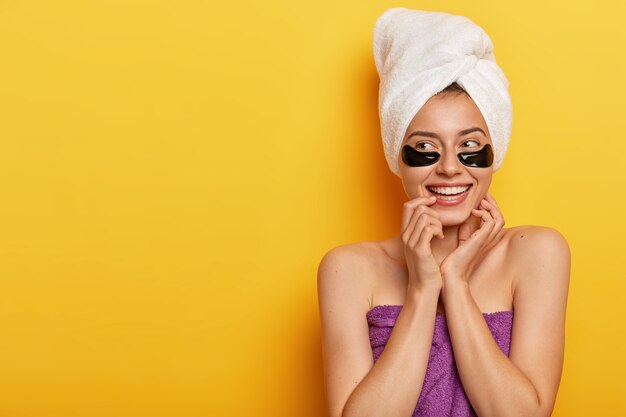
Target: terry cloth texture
x=418, y=54
x=442, y=394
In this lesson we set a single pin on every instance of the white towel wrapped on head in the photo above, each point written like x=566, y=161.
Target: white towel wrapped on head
x=418, y=54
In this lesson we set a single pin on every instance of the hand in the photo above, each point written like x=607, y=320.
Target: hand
x=459, y=263
x=420, y=224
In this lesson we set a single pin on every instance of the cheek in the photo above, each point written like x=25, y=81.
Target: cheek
x=413, y=179
x=483, y=178
x=415, y=175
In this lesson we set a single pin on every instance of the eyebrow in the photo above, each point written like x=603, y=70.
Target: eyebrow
x=436, y=136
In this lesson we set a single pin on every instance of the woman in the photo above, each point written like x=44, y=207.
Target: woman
x=457, y=315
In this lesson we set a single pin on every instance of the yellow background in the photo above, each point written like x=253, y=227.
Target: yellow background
x=172, y=173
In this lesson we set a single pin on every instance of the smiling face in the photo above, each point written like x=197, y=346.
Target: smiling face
x=447, y=124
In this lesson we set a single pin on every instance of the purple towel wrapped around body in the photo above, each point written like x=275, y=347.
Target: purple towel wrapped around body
x=442, y=393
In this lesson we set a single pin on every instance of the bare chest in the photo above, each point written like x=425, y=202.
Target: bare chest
x=490, y=283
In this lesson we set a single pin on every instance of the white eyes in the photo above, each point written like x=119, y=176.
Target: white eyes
x=424, y=146
x=427, y=146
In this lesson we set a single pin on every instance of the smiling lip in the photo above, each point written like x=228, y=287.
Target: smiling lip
x=449, y=194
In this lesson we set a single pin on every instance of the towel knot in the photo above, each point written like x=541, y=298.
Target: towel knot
x=418, y=54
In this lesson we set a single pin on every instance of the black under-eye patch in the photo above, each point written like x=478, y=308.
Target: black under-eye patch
x=479, y=159
x=415, y=158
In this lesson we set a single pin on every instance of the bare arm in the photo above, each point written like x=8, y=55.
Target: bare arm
x=355, y=386
x=526, y=382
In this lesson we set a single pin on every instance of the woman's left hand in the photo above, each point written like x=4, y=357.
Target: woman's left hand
x=459, y=263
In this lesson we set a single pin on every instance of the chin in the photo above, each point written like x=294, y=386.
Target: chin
x=453, y=219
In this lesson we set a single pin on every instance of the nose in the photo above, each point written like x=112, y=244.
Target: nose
x=449, y=164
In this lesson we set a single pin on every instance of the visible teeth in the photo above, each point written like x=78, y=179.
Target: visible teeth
x=448, y=197
x=449, y=190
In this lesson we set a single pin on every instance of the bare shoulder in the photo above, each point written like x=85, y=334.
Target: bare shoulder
x=344, y=279
x=539, y=253
x=540, y=259
x=348, y=270
x=353, y=255
x=537, y=241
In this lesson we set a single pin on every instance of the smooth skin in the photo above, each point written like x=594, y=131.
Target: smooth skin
x=454, y=260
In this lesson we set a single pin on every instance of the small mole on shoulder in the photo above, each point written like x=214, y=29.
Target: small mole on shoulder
x=521, y=236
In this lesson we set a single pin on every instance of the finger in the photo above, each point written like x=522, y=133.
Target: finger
x=491, y=208
x=471, y=246
x=417, y=211
x=437, y=227
x=421, y=205
x=486, y=225
x=425, y=238
x=414, y=228
x=423, y=222
x=497, y=216
x=414, y=218
x=492, y=203
x=427, y=230
x=409, y=207
x=492, y=200
x=484, y=215
x=421, y=200
x=464, y=232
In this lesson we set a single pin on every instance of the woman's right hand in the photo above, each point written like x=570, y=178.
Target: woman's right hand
x=420, y=223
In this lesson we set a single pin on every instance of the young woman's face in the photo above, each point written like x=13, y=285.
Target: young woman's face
x=447, y=124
